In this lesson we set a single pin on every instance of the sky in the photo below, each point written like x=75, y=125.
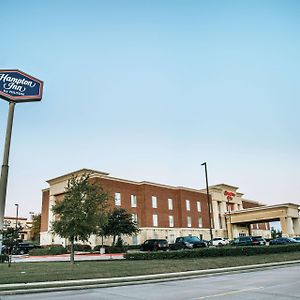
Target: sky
x=149, y=90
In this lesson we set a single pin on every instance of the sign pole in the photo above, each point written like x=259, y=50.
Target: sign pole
x=4, y=170
x=15, y=87
x=208, y=204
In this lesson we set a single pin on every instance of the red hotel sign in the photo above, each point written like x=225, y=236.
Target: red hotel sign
x=229, y=195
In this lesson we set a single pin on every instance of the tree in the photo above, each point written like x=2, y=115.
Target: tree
x=119, y=223
x=275, y=233
x=79, y=214
x=36, y=227
x=11, y=237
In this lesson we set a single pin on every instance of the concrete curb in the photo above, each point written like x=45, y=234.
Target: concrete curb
x=50, y=286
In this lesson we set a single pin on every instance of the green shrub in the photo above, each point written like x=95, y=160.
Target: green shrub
x=3, y=258
x=80, y=247
x=110, y=249
x=52, y=250
x=133, y=247
x=213, y=252
x=97, y=247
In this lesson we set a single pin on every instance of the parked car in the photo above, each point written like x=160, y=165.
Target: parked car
x=155, y=245
x=24, y=248
x=259, y=240
x=220, y=241
x=188, y=242
x=283, y=241
x=244, y=241
x=297, y=238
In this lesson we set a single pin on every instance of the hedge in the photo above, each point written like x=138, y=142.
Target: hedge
x=212, y=252
x=3, y=258
x=110, y=249
x=80, y=247
x=132, y=247
x=52, y=250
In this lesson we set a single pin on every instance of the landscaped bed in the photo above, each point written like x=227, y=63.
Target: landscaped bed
x=37, y=272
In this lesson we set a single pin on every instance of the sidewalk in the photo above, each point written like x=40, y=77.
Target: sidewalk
x=39, y=287
x=66, y=257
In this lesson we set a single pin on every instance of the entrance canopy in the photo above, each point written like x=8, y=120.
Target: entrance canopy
x=287, y=214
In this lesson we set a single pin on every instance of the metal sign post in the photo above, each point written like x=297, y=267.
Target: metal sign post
x=208, y=204
x=15, y=87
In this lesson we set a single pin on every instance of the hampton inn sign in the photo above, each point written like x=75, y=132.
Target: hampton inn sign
x=15, y=87
x=18, y=86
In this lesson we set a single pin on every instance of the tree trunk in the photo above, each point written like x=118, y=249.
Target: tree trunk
x=72, y=260
x=114, y=240
x=9, y=256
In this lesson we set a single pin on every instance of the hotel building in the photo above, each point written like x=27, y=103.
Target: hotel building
x=161, y=211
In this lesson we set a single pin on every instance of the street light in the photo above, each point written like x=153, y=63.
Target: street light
x=208, y=203
x=17, y=214
x=31, y=214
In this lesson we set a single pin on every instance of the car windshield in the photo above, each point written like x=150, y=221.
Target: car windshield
x=191, y=239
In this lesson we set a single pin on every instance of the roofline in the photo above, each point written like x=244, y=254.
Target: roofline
x=104, y=175
x=253, y=201
x=84, y=170
x=153, y=184
x=264, y=207
x=14, y=218
x=223, y=184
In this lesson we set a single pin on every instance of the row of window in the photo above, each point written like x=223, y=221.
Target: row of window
x=171, y=220
x=133, y=202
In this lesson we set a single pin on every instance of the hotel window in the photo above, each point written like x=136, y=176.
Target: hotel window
x=133, y=200
x=134, y=218
x=187, y=205
x=118, y=199
x=198, y=206
x=200, y=222
x=155, y=220
x=189, y=221
x=171, y=221
x=154, y=202
x=170, y=204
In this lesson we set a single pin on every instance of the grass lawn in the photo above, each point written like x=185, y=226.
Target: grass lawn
x=41, y=271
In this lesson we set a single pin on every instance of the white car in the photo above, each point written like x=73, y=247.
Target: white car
x=219, y=241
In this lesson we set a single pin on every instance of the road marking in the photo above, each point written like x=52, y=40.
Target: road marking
x=230, y=293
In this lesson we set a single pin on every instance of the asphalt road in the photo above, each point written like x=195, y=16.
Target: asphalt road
x=276, y=283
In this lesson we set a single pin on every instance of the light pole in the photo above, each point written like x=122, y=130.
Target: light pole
x=17, y=215
x=31, y=215
x=208, y=203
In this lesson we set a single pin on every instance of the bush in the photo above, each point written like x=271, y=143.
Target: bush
x=213, y=252
x=52, y=250
x=133, y=247
x=110, y=249
x=80, y=247
x=3, y=258
x=97, y=247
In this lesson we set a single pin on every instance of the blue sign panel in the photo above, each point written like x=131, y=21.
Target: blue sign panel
x=18, y=86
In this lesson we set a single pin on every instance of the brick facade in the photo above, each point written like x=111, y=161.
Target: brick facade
x=188, y=214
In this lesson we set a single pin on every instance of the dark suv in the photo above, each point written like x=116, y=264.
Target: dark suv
x=24, y=248
x=284, y=241
x=244, y=241
x=155, y=245
x=188, y=242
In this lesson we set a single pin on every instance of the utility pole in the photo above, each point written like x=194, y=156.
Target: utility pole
x=208, y=204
